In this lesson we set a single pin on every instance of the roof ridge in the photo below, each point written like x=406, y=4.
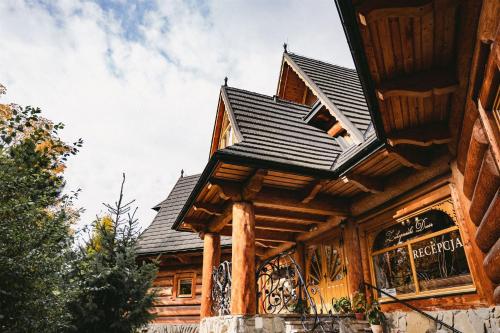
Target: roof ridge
x=303, y=106
x=323, y=61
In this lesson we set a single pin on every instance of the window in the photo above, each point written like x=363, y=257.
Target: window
x=421, y=254
x=185, y=285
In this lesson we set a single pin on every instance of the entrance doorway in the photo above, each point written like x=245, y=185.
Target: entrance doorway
x=326, y=273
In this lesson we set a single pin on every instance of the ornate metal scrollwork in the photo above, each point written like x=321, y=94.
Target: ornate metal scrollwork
x=221, y=289
x=281, y=289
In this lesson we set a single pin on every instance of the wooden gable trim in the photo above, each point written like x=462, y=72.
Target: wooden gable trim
x=223, y=106
x=346, y=123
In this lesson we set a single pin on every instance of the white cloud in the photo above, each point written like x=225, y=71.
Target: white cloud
x=146, y=105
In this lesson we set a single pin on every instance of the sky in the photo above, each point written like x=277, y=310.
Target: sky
x=139, y=81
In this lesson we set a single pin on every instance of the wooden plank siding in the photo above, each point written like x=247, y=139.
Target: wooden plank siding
x=171, y=309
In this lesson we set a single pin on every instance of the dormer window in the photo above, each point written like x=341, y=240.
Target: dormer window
x=227, y=137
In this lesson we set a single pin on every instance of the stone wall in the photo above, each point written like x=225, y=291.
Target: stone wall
x=482, y=320
x=242, y=324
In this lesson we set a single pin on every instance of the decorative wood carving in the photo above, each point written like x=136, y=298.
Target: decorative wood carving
x=426, y=135
x=254, y=184
x=312, y=190
x=227, y=190
x=409, y=156
x=423, y=84
x=220, y=221
x=332, y=223
x=207, y=208
x=365, y=183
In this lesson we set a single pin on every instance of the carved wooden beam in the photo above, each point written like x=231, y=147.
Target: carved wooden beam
x=410, y=156
x=281, y=226
x=265, y=235
x=335, y=129
x=333, y=222
x=196, y=225
x=182, y=259
x=227, y=190
x=207, y=208
x=312, y=190
x=365, y=183
x=376, y=10
x=254, y=184
x=219, y=222
x=426, y=135
x=277, y=250
x=263, y=214
x=292, y=201
x=423, y=84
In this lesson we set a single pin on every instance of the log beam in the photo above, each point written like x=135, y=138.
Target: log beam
x=401, y=182
x=266, y=214
x=410, y=156
x=421, y=85
x=254, y=184
x=292, y=201
x=491, y=263
x=489, y=229
x=332, y=223
x=219, y=222
x=335, y=130
x=312, y=190
x=487, y=184
x=372, y=11
x=277, y=250
x=263, y=235
x=364, y=183
x=211, y=258
x=243, y=293
x=477, y=148
x=427, y=135
x=227, y=190
x=208, y=208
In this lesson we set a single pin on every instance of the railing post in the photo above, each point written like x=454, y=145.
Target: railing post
x=211, y=259
x=243, y=288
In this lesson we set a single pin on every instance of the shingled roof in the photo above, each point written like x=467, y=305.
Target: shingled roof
x=274, y=130
x=341, y=85
x=159, y=237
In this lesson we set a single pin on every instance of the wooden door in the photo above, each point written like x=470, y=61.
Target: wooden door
x=326, y=273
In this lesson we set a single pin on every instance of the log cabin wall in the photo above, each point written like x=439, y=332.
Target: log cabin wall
x=172, y=308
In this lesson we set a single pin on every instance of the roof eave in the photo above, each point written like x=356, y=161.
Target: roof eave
x=347, y=16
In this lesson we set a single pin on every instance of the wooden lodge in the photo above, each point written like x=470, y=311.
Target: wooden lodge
x=383, y=180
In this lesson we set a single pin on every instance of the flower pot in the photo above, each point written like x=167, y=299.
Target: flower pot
x=359, y=315
x=377, y=328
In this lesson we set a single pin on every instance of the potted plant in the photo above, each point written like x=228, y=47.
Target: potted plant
x=359, y=305
x=375, y=317
x=342, y=305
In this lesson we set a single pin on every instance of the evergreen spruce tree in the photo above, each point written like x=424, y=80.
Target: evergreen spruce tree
x=113, y=290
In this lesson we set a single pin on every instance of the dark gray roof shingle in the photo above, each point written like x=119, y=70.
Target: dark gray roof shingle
x=274, y=130
x=341, y=85
x=159, y=237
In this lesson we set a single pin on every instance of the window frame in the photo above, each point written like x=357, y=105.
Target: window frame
x=177, y=284
x=408, y=244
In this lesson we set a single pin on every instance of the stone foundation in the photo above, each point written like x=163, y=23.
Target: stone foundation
x=242, y=324
x=482, y=320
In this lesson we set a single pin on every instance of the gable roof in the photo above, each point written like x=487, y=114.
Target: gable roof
x=159, y=237
x=340, y=85
x=274, y=130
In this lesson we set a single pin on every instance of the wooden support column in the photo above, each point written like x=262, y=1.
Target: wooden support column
x=353, y=258
x=211, y=258
x=243, y=293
